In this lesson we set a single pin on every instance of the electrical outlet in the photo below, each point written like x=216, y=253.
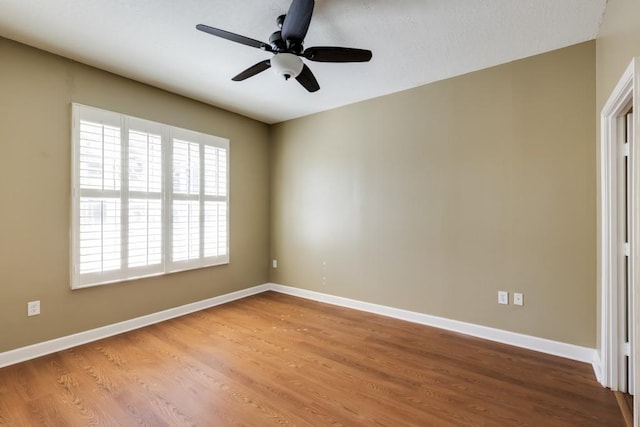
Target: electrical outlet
x=518, y=298
x=33, y=308
x=324, y=273
x=503, y=297
x=274, y=263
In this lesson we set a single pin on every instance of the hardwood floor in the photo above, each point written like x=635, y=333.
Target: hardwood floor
x=273, y=359
x=625, y=402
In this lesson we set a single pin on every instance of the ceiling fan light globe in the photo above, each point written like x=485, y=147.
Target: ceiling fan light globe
x=286, y=65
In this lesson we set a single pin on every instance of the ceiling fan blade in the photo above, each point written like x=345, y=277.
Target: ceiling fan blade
x=337, y=54
x=296, y=23
x=233, y=37
x=307, y=79
x=252, y=71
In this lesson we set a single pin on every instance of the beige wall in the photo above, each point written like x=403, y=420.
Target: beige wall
x=617, y=44
x=36, y=91
x=431, y=199
x=435, y=198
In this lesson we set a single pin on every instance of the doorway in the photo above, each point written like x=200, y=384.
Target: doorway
x=620, y=237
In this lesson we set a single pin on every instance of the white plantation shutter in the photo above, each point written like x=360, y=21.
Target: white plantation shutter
x=186, y=230
x=99, y=235
x=215, y=173
x=215, y=229
x=186, y=167
x=99, y=155
x=147, y=198
x=98, y=197
x=144, y=238
x=199, y=227
x=215, y=204
x=145, y=233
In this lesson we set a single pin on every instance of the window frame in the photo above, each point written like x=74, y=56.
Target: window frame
x=168, y=134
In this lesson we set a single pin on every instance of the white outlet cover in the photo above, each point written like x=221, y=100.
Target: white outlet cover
x=518, y=299
x=33, y=308
x=503, y=297
x=274, y=263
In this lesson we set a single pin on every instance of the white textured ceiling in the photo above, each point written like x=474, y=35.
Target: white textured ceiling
x=414, y=42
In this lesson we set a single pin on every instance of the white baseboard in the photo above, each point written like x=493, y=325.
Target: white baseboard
x=597, y=368
x=569, y=351
x=41, y=349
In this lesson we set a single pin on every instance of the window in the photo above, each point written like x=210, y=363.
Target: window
x=147, y=198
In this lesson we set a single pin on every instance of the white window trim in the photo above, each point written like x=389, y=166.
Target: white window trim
x=168, y=133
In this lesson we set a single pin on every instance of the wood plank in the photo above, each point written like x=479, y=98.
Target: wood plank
x=274, y=359
x=625, y=402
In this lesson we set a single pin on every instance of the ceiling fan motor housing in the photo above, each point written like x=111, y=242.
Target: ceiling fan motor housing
x=286, y=65
x=276, y=42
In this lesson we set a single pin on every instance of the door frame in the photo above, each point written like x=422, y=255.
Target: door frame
x=626, y=94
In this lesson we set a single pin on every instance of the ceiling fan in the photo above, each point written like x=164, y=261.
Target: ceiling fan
x=287, y=47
